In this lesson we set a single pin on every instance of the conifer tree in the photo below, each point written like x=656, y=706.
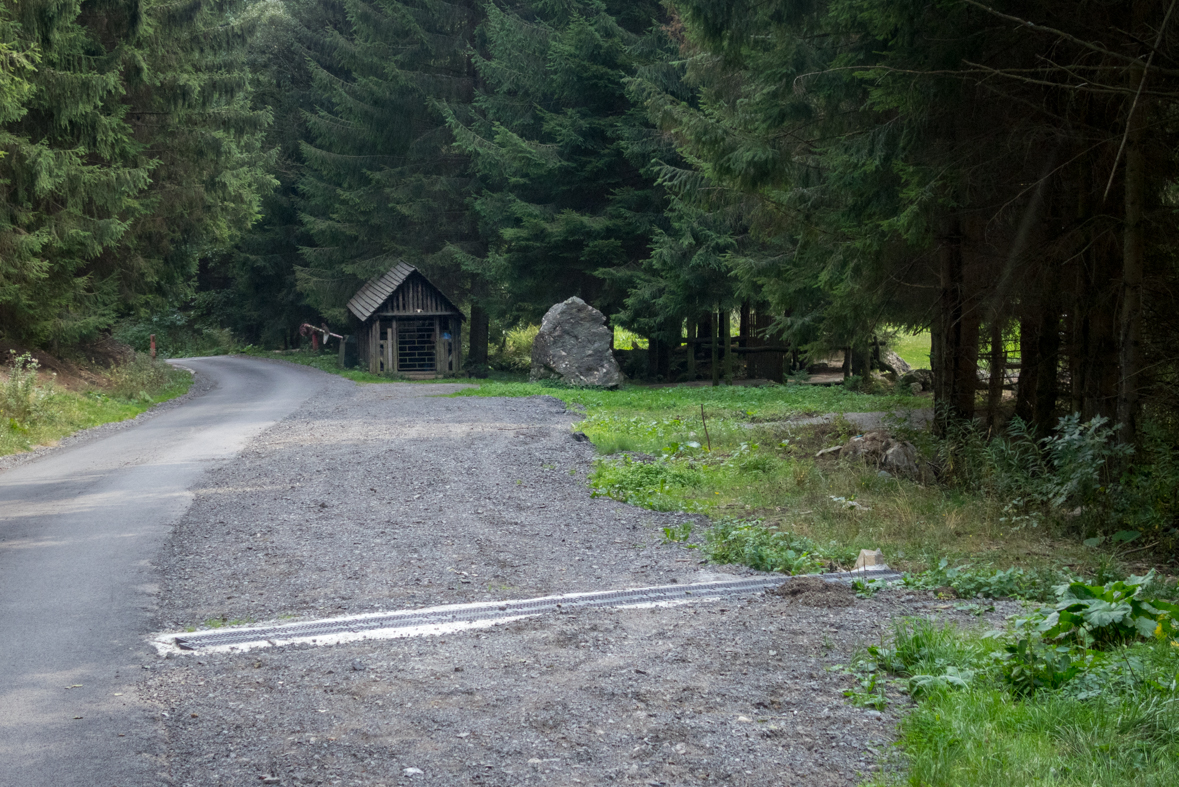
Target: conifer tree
x=71, y=178
x=130, y=155
x=190, y=97
x=560, y=151
x=382, y=180
x=253, y=288
x=933, y=165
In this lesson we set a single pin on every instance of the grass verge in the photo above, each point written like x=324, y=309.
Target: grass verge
x=745, y=458
x=34, y=411
x=1043, y=701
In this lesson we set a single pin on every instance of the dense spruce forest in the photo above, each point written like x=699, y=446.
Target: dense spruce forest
x=1002, y=174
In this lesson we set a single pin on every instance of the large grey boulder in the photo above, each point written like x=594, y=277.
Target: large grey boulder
x=894, y=363
x=573, y=345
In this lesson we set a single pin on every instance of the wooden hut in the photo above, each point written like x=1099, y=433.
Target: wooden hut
x=407, y=326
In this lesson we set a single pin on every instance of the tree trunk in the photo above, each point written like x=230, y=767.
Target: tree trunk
x=861, y=360
x=1029, y=363
x=998, y=363
x=715, y=349
x=479, y=330
x=746, y=336
x=1047, y=372
x=1133, y=262
x=665, y=351
x=956, y=365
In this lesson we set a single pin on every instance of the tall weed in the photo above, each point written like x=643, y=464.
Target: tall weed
x=141, y=378
x=1035, y=477
x=515, y=354
x=21, y=399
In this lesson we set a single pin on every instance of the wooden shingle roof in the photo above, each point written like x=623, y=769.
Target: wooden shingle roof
x=379, y=289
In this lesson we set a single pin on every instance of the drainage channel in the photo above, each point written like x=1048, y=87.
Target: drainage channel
x=456, y=617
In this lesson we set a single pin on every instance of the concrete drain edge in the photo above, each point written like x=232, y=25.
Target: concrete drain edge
x=458, y=617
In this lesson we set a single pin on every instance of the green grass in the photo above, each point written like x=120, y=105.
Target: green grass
x=60, y=412
x=913, y=349
x=656, y=414
x=1117, y=723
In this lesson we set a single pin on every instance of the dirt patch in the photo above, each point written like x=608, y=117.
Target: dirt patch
x=87, y=369
x=815, y=592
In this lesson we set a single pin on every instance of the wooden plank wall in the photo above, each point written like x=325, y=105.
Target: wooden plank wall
x=379, y=346
x=415, y=296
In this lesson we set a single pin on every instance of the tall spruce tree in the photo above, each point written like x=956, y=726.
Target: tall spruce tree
x=71, y=177
x=560, y=153
x=253, y=289
x=190, y=97
x=131, y=154
x=383, y=181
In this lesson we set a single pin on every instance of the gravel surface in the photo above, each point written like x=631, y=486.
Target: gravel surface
x=387, y=497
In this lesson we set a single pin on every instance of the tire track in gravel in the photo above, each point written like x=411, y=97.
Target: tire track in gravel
x=387, y=497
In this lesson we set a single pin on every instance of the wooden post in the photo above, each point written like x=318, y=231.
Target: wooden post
x=390, y=350
x=374, y=347
x=396, y=339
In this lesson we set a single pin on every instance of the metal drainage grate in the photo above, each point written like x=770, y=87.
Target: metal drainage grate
x=491, y=611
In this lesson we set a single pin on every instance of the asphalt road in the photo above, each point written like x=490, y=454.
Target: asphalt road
x=79, y=530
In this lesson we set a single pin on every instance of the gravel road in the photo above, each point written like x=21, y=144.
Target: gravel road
x=386, y=497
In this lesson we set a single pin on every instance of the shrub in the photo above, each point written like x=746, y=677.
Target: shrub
x=1034, y=476
x=749, y=543
x=140, y=378
x=515, y=354
x=177, y=335
x=20, y=396
x=971, y=582
x=1102, y=616
x=646, y=484
x=1146, y=500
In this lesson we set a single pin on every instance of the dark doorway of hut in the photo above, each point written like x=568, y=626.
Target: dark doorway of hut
x=407, y=326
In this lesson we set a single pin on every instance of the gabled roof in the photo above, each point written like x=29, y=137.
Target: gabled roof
x=378, y=289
